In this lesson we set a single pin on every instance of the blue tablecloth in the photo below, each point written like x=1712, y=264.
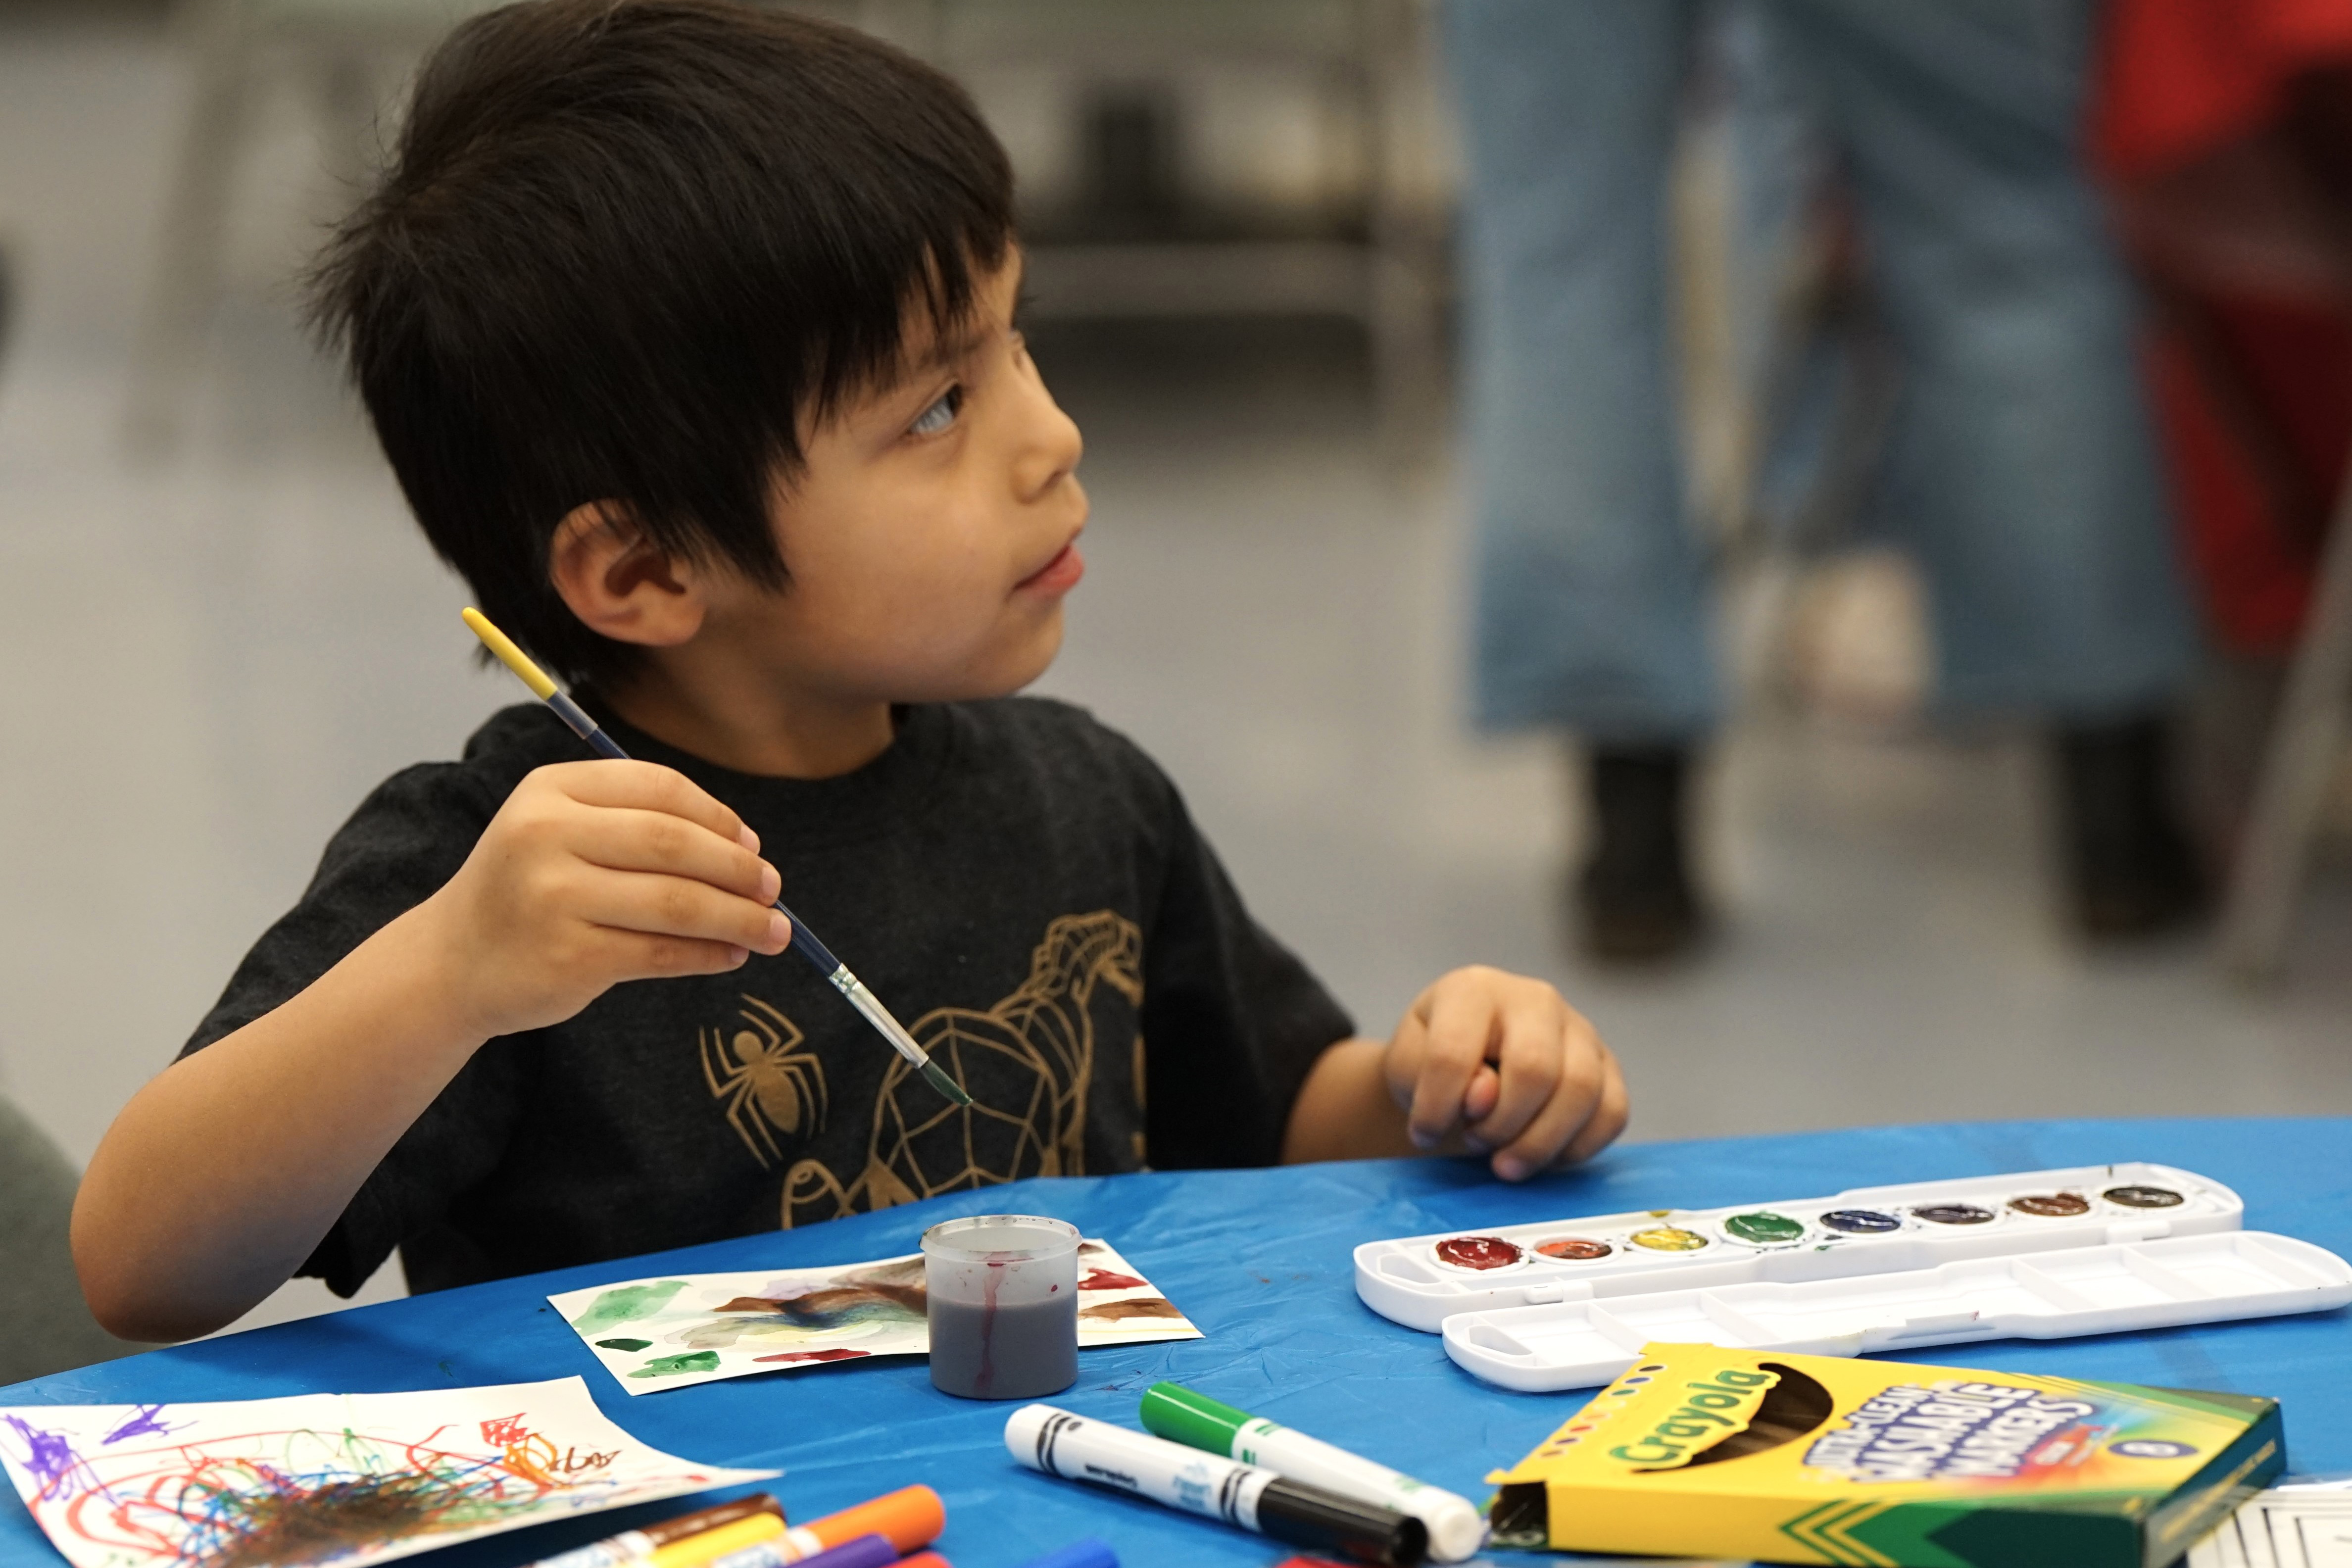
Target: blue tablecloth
x=1260, y=1261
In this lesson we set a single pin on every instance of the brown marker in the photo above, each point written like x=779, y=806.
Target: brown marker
x=637, y=1546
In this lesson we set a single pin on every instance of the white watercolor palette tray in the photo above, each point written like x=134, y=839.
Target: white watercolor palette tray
x=2050, y=1295
x=1422, y=1280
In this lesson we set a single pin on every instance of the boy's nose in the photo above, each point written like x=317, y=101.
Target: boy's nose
x=1052, y=447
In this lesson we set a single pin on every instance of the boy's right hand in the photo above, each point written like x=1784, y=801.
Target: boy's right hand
x=593, y=873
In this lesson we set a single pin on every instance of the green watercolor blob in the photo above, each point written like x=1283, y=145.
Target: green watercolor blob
x=625, y=1304
x=674, y=1365
x=623, y=1344
x=1764, y=1227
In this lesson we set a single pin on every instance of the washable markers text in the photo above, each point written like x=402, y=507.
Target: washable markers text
x=805, y=941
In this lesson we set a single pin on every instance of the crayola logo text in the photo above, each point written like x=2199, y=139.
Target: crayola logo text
x=1708, y=1411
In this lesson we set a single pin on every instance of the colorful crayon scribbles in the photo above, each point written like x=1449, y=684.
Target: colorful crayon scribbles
x=326, y=1477
x=694, y=1329
x=142, y=1421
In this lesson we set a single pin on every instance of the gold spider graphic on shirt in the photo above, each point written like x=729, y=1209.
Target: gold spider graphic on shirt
x=770, y=1084
x=1039, y=1042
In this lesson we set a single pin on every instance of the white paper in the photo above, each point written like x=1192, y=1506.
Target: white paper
x=675, y=1330
x=350, y=1478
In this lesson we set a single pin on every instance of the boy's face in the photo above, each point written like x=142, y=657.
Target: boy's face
x=933, y=532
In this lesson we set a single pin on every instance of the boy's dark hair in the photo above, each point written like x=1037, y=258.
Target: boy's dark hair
x=622, y=249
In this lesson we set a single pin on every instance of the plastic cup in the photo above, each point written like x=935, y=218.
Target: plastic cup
x=1004, y=1294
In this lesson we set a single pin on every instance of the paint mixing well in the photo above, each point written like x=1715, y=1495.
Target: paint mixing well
x=2078, y=1291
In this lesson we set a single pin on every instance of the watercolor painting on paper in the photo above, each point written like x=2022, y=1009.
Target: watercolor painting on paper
x=348, y=1478
x=679, y=1330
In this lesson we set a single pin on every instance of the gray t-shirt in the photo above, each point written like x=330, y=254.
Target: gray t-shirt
x=1021, y=885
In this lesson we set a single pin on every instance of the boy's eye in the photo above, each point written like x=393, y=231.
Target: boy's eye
x=940, y=415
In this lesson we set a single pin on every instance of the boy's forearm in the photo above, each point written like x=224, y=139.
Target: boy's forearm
x=1344, y=1111
x=221, y=1176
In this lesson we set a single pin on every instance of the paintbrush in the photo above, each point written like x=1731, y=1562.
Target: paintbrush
x=804, y=940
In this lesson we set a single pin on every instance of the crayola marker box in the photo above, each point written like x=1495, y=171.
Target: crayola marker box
x=1703, y=1452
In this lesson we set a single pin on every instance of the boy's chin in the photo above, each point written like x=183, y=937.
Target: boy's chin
x=1001, y=675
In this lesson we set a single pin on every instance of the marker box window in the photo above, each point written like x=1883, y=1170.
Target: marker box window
x=1004, y=1306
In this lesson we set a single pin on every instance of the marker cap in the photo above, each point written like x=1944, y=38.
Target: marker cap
x=925, y=1560
x=864, y=1552
x=1195, y=1420
x=1325, y=1521
x=909, y=1518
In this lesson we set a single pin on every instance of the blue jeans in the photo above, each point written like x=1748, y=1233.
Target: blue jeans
x=2024, y=476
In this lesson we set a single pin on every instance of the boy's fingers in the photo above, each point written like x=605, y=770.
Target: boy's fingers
x=1541, y=1141
x=654, y=905
x=634, y=955
x=629, y=840
x=646, y=786
x=1459, y=1023
x=1533, y=1028
x=1577, y=1121
x=1607, y=1118
x=1479, y=1099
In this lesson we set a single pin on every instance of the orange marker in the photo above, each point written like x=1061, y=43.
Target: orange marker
x=911, y=1518
x=925, y=1560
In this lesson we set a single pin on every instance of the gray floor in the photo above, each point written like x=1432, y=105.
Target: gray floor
x=214, y=657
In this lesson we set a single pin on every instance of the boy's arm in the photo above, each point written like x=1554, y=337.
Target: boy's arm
x=1483, y=1062
x=221, y=1176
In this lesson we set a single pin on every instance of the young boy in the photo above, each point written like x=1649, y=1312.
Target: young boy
x=689, y=331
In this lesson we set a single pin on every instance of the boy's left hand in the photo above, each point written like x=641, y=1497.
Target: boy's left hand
x=1490, y=1063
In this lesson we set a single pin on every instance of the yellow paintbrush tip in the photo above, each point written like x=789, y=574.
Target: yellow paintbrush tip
x=513, y=657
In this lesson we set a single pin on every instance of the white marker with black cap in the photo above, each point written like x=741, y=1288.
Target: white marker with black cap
x=1075, y=1449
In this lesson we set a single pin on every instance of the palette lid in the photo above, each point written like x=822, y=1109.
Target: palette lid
x=1421, y=1280
x=2047, y=1296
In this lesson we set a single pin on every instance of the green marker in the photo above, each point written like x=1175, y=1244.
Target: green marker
x=1457, y=1528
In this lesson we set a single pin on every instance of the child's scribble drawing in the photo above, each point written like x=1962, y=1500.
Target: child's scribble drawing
x=343, y=1479
x=139, y=1424
x=702, y=1327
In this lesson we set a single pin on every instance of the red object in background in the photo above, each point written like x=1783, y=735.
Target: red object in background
x=2239, y=249
x=2181, y=77
x=2253, y=574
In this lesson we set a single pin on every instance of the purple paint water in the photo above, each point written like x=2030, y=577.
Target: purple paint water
x=981, y=1351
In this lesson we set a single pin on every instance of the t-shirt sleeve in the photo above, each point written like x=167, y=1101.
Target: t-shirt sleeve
x=404, y=841
x=1231, y=1019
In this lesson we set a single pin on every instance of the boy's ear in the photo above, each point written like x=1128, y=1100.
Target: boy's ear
x=619, y=582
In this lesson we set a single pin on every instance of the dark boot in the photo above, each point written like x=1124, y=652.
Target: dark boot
x=1635, y=895
x=2128, y=864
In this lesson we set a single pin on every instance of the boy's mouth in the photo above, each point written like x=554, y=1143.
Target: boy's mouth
x=1058, y=576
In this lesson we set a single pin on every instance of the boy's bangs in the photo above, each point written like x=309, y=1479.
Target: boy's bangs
x=940, y=305
x=627, y=253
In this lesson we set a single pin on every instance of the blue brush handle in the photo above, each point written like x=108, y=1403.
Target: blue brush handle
x=803, y=940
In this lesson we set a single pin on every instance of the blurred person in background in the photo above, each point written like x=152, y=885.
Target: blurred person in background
x=2022, y=475
x=2225, y=131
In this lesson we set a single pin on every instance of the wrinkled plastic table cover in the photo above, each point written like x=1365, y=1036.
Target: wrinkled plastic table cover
x=1260, y=1261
